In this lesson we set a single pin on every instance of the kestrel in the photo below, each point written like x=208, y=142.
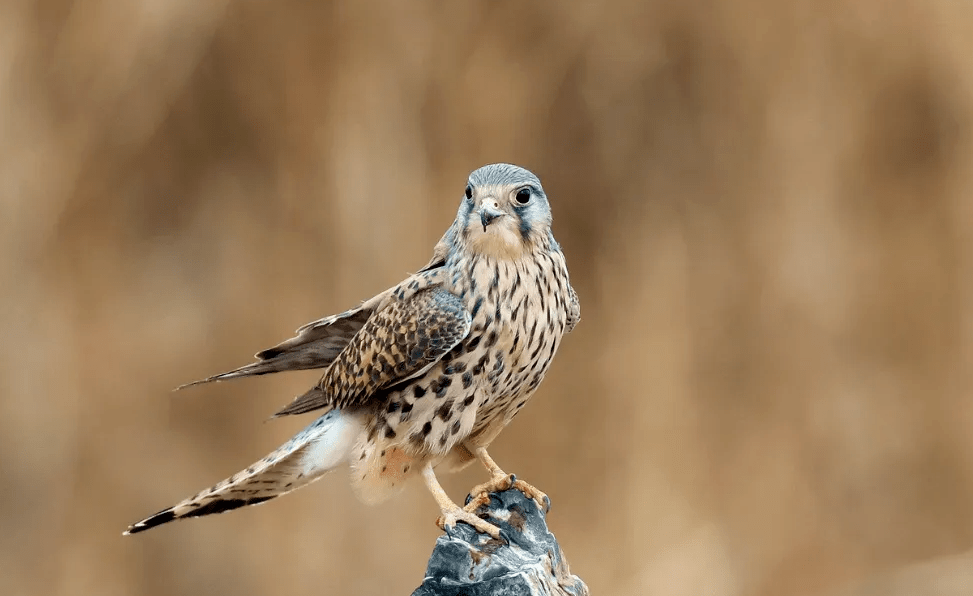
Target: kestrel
x=428, y=372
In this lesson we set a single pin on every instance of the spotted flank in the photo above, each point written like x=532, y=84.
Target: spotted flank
x=317, y=449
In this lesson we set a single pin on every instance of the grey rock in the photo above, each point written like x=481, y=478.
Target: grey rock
x=526, y=561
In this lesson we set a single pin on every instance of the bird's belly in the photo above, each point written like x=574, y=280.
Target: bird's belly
x=508, y=384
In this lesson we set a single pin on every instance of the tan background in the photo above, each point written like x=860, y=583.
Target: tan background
x=767, y=208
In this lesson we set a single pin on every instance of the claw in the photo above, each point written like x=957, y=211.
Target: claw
x=498, y=483
x=447, y=529
x=542, y=501
x=479, y=496
x=448, y=520
x=473, y=504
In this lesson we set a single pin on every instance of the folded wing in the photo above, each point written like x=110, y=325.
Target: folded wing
x=399, y=342
x=318, y=343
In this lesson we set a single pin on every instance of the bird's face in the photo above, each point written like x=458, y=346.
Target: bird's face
x=504, y=213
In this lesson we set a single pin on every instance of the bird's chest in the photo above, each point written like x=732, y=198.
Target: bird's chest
x=518, y=320
x=519, y=314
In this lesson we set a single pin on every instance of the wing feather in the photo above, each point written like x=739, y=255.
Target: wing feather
x=318, y=343
x=399, y=342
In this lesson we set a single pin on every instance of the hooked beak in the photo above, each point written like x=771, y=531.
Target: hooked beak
x=489, y=212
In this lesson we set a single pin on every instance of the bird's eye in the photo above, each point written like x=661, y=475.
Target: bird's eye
x=523, y=196
x=469, y=191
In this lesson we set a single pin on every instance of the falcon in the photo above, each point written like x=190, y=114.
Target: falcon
x=425, y=375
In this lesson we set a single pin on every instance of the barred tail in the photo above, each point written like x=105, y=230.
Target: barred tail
x=319, y=448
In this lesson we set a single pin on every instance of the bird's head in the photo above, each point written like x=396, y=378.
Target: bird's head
x=504, y=213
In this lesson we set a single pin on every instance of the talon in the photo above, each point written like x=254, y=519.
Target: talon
x=453, y=513
x=441, y=522
x=473, y=504
x=542, y=501
x=449, y=519
x=498, y=483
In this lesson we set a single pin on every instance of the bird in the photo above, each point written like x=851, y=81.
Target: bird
x=426, y=374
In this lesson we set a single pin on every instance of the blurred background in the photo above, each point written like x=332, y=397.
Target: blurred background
x=766, y=207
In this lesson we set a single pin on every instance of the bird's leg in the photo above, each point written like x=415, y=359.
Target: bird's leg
x=451, y=512
x=501, y=481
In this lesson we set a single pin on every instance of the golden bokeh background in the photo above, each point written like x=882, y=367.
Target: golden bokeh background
x=767, y=207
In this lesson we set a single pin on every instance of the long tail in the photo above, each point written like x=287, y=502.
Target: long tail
x=319, y=448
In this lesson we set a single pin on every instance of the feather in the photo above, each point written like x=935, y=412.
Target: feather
x=319, y=448
x=316, y=345
x=399, y=342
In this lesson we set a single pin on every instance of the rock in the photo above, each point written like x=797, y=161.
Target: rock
x=526, y=561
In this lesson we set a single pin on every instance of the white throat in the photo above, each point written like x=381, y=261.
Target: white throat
x=498, y=241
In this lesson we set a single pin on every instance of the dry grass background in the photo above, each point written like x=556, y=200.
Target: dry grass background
x=767, y=211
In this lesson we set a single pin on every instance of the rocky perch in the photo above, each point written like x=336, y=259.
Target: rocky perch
x=527, y=560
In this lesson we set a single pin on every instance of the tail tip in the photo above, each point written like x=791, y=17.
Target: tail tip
x=166, y=515
x=194, y=383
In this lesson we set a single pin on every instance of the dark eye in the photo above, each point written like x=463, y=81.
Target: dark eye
x=523, y=196
x=469, y=191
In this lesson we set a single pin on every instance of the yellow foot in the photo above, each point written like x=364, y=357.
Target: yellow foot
x=480, y=495
x=449, y=518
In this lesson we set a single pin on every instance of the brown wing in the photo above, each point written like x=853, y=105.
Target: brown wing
x=318, y=343
x=316, y=346
x=401, y=341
